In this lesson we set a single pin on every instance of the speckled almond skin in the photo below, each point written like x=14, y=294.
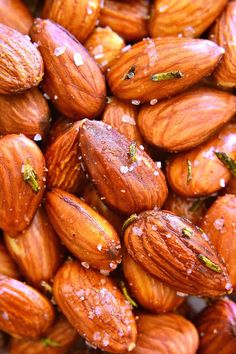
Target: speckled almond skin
x=15, y=14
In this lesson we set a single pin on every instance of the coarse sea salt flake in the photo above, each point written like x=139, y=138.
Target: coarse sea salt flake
x=78, y=59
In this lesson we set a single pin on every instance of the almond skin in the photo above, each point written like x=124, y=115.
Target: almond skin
x=88, y=235
x=208, y=173
x=7, y=265
x=37, y=251
x=191, y=58
x=72, y=79
x=150, y=292
x=95, y=307
x=179, y=123
x=171, y=248
x=128, y=186
x=26, y=114
x=21, y=65
x=25, y=312
x=16, y=194
x=216, y=326
x=127, y=18
x=15, y=14
x=170, y=18
x=79, y=18
x=231, y=186
x=57, y=128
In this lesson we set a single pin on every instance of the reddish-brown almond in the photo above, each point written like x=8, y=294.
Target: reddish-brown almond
x=57, y=128
x=72, y=79
x=231, y=186
x=220, y=225
x=95, y=307
x=88, y=235
x=163, y=334
x=124, y=174
x=26, y=114
x=150, y=292
x=104, y=45
x=216, y=327
x=179, y=123
x=7, y=265
x=178, y=253
x=22, y=175
x=200, y=172
x=79, y=18
x=62, y=160
x=183, y=18
x=58, y=340
x=157, y=68
x=37, y=250
x=24, y=311
x=21, y=65
x=127, y=18
x=15, y=14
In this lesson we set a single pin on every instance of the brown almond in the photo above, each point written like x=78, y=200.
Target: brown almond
x=58, y=127
x=7, y=265
x=231, y=186
x=15, y=14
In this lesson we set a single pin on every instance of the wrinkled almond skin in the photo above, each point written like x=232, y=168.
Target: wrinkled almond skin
x=18, y=201
x=186, y=18
x=95, y=307
x=26, y=114
x=163, y=334
x=216, y=327
x=150, y=292
x=61, y=333
x=179, y=123
x=127, y=18
x=219, y=224
x=127, y=186
x=193, y=58
x=89, y=236
x=37, y=251
x=15, y=14
x=79, y=18
x=104, y=45
x=231, y=186
x=208, y=173
x=72, y=79
x=7, y=265
x=62, y=160
x=21, y=65
x=25, y=312
x=157, y=242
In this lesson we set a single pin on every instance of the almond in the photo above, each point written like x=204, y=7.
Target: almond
x=20, y=62
x=154, y=69
x=123, y=174
x=183, y=18
x=88, y=235
x=15, y=14
x=178, y=253
x=22, y=175
x=24, y=311
x=127, y=18
x=179, y=123
x=79, y=18
x=72, y=80
x=7, y=265
x=95, y=307
x=200, y=172
x=231, y=186
x=57, y=128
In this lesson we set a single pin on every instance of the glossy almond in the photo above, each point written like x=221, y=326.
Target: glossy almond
x=178, y=253
x=199, y=172
x=191, y=58
x=25, y=312
x=37, y=250
x=15, y=14
x=183, y=18
x=73, y=79
x=89, y=236
x=187, y=120
x=127, y=18
x=79, y=18
x=7, y=265
x=18, y=200
x=95, y=307
x=128, y=186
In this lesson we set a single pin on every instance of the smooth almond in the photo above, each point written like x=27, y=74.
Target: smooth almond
x=15, y=14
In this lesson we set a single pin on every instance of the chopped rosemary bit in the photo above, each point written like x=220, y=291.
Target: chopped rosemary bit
x=187, y=233
x=132, y=152
x=130, y=74
x=189, y=176
x=30, y=176
x=128, y=222
x=126, y=295
x=227, y=161
x=167, y=76
x=196, y=205
x=209, y=264
x=48, y=342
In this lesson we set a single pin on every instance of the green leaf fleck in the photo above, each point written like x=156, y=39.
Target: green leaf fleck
x=48, y=342
x=227, y=161
x=126, y=295
x=167, y=76
x=128, y=222
x=132, y=152
x=30, y=176
x=209, y=264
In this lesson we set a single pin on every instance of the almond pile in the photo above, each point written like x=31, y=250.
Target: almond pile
x=118, y=176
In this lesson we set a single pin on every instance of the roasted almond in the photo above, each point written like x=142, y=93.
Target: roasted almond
x=15, y=14
x=231, y=186
x=7, y=265
x=58, y=127
x=73, y=79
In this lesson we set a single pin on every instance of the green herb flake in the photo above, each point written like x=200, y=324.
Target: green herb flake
x=227, y=161
x=130, y=74
x=128, y=222
x=186, y=233
x=126, y=295
x=30, y=176
x=167, y=76
x=132, y=152
x=209, y=264
x=48, y=342
x=189, y=175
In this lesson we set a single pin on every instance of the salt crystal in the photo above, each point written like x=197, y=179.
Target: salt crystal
x=228, y=286
x=127, y=119
x=37, y=137
x=137, y=231
x=99, y=247
x=59, y=51
x=178, y=293
x=5, y=316
x=222, y=182
x=154, y=227
x=104, y=272
x=96, y=336
x=136, y=102
x=124, y=169
x=99, y=56
x=153, y=102
x=156, y=173
x=109, y=127
x=131, y=347
x=158, y=163
x=219, y=224
x=125, y=49
x=46, y=96
x=112, y=265
x=105, y=342
x=85, y=265
x=78, y=59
